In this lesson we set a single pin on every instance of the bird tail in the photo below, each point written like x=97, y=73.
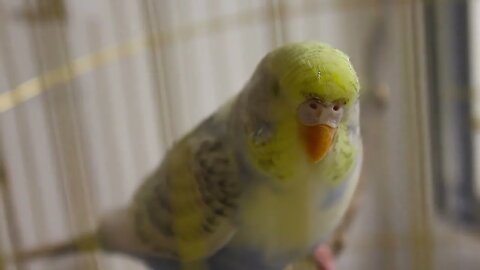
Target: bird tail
x=87, y=242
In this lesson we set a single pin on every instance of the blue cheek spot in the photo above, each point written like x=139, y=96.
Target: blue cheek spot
x=334, y=196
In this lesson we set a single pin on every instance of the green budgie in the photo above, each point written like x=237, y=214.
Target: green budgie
x=260, y=184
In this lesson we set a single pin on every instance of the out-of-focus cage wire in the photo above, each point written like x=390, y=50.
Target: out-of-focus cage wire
x=94, y=92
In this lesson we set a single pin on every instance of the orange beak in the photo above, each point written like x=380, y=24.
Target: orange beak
x=318, y=140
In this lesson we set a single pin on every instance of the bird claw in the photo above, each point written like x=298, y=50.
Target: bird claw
x=324, y=258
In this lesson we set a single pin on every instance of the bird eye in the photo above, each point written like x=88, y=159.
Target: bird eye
x=309, y=112
x=313, y=105
x=313, y=112
x=334, y=115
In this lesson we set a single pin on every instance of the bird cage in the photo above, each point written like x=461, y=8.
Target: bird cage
x=93, y=94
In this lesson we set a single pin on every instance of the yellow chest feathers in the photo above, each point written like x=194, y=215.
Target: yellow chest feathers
x=302, y=205
x=284, y=222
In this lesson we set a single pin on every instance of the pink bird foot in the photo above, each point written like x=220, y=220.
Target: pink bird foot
x=324, y=258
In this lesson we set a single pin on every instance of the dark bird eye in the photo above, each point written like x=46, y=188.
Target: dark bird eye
x=336, y=107
x=309, y=111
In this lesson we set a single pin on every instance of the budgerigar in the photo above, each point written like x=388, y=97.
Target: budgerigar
x=260, y=183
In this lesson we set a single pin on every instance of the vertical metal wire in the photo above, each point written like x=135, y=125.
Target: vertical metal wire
x=222, y=65
x=420, y=215
x=126, y=107
x=392, y=190
x=275, y=18
x=426, y=210
x=84, y=201
x=415, y=248
x=129, y=87
x=12, y=77
x=23, y=125
x=67, y=126
x=474, y=67
x=178, y=88
x=173, y=69
x=36, y=16
x=114, y=119
x=55, y=132
x=375, y=108
x=158, y=74
x=8, y=213
x=109, y=139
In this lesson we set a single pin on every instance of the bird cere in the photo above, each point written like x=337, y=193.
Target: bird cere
x=260, y=184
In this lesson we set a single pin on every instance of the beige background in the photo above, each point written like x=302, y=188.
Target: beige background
x=124, y=79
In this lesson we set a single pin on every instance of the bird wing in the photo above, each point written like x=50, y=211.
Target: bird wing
x=185, y=210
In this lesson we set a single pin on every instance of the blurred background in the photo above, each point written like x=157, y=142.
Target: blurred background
x=93, y=92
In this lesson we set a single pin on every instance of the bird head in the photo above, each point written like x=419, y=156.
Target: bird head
x=299, y=97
